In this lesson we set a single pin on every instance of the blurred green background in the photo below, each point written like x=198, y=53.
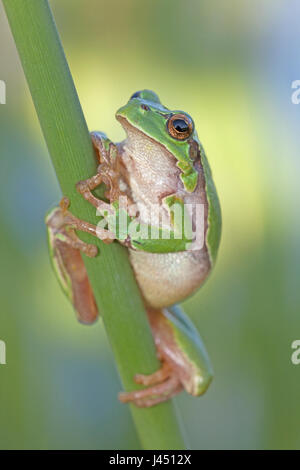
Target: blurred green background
x=230, y=65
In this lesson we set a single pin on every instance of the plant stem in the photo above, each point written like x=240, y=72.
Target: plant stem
x=69, y=145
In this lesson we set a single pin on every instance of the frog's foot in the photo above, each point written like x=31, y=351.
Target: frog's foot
x=108, y=170
x=185, y=363
x=107, y=173
x=162, y=385
x=63, y=225
x=85, y=188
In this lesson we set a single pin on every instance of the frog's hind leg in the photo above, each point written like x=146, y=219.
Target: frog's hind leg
x=65, y=253
x=165, y=382
x=185, y=364
x=71, y=273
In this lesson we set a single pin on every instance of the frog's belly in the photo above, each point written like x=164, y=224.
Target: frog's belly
x=166, y=279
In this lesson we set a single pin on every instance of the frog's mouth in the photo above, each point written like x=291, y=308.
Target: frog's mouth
x=185, y=163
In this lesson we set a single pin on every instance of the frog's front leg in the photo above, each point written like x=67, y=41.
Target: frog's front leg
x=185, y=363
x=64, y=245
x=63, y=226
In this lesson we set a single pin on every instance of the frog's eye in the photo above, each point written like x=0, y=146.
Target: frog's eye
x=180, y=126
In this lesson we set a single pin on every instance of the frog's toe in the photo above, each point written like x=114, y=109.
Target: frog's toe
x=91, y=250
x=157, y=377
x=153, y=395
x=151, y=401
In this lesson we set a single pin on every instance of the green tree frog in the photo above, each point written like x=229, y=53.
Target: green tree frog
x=162, y=165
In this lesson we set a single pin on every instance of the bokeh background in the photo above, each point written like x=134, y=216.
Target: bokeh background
x=230, y=65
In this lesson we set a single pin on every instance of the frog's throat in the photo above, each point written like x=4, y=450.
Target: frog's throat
x=189, y=175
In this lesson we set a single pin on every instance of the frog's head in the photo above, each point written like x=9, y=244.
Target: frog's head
x=174, y=130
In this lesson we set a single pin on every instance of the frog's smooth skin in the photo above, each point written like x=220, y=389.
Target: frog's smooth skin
x=161, y=160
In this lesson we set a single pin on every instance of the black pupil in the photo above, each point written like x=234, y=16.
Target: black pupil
x=180, y=125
